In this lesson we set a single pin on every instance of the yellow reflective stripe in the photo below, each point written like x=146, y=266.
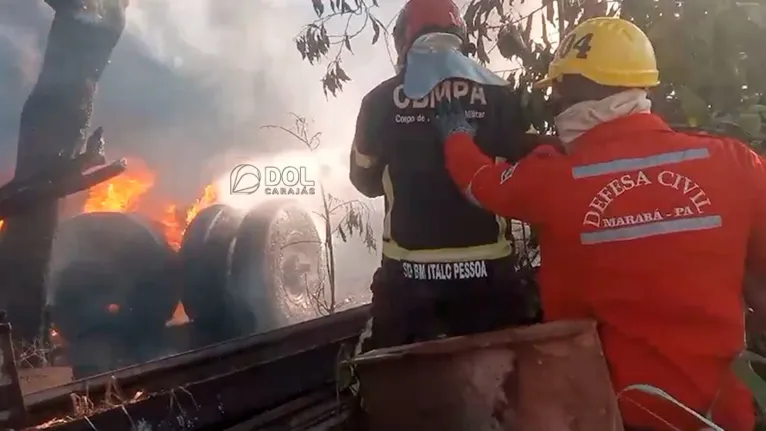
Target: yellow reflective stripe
x=392, y=250
x=388, y=190
x=502, y=224
x=362, y=160
x=497, y=250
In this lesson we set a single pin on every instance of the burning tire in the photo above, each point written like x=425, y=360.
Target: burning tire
x=275, y=268
x=203, y=255
x=250, y=274
x=110, y=272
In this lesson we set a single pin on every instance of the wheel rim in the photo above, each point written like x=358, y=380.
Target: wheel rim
x=299, y=268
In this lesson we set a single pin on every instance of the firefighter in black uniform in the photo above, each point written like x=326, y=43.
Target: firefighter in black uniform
x=447, y=264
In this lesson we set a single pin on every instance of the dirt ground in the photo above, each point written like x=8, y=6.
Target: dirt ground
x=38, y=379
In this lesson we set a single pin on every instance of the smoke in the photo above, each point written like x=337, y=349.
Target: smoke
x=231, y=68
x=22, y=32
x=192, y=82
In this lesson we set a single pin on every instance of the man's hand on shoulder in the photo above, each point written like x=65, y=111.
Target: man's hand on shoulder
x=450, y=119
x=542, y=144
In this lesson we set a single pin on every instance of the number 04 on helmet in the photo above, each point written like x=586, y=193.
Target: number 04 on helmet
x=608, y=51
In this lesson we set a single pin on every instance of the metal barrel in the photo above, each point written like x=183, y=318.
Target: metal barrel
x=13, y=412
x=551, y=376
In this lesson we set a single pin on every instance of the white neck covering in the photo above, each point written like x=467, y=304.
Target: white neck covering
x=431, y=42
x=583, y=116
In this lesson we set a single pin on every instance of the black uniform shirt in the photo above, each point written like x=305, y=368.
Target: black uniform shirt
x=397, y=153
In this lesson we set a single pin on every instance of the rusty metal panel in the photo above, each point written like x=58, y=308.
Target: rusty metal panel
x=545, y=377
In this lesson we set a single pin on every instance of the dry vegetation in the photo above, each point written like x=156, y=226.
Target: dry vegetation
x=83, y=407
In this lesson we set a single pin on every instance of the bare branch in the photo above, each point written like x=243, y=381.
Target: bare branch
x=342, y=218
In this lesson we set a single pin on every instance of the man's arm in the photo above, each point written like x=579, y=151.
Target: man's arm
x=366, y=164
x=510, y=190
x=510, y=141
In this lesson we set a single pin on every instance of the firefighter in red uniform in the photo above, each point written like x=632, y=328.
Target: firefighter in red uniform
x=447, y=266
x=644, y=229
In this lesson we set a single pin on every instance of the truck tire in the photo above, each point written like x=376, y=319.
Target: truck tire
x=110, y=272
x=275, y=268
x=203, y=259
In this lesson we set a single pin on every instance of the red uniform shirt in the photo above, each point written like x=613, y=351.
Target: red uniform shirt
x=647, y=231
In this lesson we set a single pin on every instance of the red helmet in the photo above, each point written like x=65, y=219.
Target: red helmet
x=421, y=17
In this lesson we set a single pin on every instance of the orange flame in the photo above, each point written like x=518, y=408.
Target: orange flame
x=171, y=226
x=127, y=192
x=174, y=222
x=209, y=197
x=179, y=316
x=123, y=192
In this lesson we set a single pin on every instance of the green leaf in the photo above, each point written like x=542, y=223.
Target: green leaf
x=693, y=106
x=511, y=42
x=751, y=123
x=549, y=11
x=376, y=31
x=318, y=7
x=744, y=371
x=756, y=109
x=347, y=43
x=527, y=29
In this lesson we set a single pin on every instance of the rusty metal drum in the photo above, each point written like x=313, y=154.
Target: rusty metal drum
x=551, y=377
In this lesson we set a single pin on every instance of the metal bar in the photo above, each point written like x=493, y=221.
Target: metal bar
x=216, y=369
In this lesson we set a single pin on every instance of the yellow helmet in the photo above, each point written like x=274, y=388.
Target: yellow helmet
x=608, y=51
